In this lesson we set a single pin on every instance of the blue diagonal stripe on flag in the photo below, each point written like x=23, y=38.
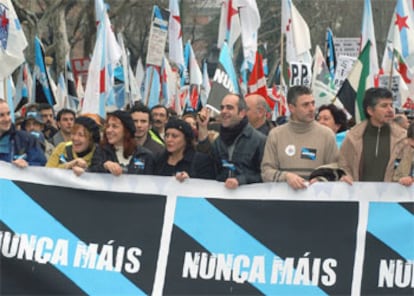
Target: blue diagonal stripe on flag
x=221, y=235
x=15, y=204
x=394, y=226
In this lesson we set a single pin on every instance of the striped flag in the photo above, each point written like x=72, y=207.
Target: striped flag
x=257, y=81
x=71, y=85
x=296, y=30
x=24, y=87
x=224, y=80
x=401, y=32
x=99, y=85
x=250, y=24
x=152, y=88
x=351, y=94
x=330, y=53
x=175, y=36
x=229, y=26
x=42, y=85
x=368, y=34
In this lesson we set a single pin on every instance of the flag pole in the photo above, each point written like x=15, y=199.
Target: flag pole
x=391, y=70
x=282, y=64
x=5, y=92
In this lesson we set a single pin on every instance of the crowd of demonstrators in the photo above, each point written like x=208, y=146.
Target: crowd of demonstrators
x=76, y=154
x=373, y=148
x=238, y=150
x=298, y=147
x=242, y=148
x=334, y=118
x=16, y=146
x=180, y=158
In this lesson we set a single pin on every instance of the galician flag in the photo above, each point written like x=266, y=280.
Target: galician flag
x=99, y=85
x=12, y=40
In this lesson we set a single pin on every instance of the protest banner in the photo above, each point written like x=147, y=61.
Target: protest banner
x=100, y=234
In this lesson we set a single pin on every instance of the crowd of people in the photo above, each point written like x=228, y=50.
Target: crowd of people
x=239, y=146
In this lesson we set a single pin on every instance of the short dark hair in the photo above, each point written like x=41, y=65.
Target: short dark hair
x=372, y=96
x=65, y=111
x=295, y=92
x=141, y=108
x=241, y=104
x=338, y=115
x=45, y=106
x=161, y=106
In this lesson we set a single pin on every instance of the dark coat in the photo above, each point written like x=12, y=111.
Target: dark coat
x=141, y=163
x=246, y=158
x=23, y=144
x=196, y=164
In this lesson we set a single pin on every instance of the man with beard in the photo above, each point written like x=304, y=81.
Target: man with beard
x=293, y=150
x=373, y=148
x=17, y=147
x=238, y=150
x=48, y=116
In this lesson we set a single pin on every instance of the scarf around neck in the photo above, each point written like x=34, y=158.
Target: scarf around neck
x=229, y=134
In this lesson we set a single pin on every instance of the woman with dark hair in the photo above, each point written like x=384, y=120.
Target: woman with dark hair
x=119, y=152
x=77, y=154
x=334, y=118
x=180, y=158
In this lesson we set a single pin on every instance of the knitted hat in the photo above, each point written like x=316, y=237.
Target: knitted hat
x=126, y=120
x=182, y=126
x=91, y=126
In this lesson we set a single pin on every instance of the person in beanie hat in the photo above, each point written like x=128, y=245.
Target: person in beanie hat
x=78, y=152
x=180, y=158
x=119, y=152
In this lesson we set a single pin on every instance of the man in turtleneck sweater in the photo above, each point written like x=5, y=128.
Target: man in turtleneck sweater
x=238, y=150
x=295, y=149
x=372, y=149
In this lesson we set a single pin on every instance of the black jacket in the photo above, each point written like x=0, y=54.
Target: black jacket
x=244, y=165
x=196, y=164
x=142, y=162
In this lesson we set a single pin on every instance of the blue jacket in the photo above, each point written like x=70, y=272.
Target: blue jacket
x=23, y=144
